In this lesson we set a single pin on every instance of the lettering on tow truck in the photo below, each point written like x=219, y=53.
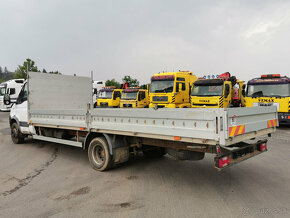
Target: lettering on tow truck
x=203, y=100
x=266, y=100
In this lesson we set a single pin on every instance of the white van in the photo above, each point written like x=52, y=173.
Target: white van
x=12, y=88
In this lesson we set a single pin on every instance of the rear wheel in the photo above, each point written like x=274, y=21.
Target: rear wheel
x=16, y=135
x=99, y=154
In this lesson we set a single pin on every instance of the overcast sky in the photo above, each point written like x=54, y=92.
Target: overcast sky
x=140, y=38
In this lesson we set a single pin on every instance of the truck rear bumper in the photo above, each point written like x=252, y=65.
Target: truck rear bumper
x=284, y=118
x=228, y=156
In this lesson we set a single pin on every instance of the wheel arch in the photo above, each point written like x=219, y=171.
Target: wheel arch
x=114, y=141
x=13, y=120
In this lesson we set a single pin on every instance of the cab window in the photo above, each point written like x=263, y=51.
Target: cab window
x=22, y=95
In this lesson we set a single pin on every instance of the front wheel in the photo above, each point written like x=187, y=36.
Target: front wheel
x=99, y=154
x=16, y=135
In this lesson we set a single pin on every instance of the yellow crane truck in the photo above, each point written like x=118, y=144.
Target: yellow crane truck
x=109, y=96
x=134, y=98
x=171, y=89
x=270, y=90
x=217, y=93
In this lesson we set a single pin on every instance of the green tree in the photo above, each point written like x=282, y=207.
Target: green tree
x=130, y=81
x=55, y=72
x=21, y=71
x=113, y=82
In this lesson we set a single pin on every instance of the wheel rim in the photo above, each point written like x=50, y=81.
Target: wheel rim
x=99, y=154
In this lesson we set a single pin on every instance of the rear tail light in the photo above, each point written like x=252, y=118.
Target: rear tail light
x=271, y=76
x=262, y=147
x=225, y=161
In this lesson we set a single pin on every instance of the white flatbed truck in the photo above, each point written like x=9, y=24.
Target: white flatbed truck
x=59, y=108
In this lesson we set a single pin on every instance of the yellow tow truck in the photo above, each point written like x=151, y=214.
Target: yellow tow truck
x=171, y=89
x=270, y=90
x=134, y=98
x=109, y=96
x=223, y=92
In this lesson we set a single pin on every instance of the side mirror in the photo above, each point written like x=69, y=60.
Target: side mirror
x=227, y=91
x=7, y=99
x=95, y=91
x=244, y=90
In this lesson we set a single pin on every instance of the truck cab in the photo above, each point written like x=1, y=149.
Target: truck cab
x=223, y=92
x=12, y=88
x=171, y=89
x=270, y=90
x=134, y=98
x=211, y=93
x=109, y=96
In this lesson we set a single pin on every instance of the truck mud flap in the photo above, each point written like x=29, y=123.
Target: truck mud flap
x=228, y=156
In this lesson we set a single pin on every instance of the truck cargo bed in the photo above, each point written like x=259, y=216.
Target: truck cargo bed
x=73, y=109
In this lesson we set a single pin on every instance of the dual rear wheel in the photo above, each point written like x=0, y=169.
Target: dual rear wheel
x=99, y=154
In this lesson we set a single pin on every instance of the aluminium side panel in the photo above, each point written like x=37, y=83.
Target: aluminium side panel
x=188, y=122
x=58, y=99
x=251, y=119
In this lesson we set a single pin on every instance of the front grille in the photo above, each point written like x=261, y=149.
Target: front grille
x=160, y=98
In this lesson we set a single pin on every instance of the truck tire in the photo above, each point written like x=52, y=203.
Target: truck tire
x=99, y=155
x=185, y=155
x=153, y=152
x=16, y=135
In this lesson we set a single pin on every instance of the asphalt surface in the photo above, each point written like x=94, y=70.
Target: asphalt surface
x=39, y=179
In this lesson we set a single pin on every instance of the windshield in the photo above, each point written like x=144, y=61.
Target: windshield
x=210, y=90
x=159, y=86
x=2, y=90
x=272, y=90
x=129, y=95
x=105, y=94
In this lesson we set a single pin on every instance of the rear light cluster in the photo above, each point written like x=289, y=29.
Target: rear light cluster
x=271, y=76
x=223, y=162
x=262, y=147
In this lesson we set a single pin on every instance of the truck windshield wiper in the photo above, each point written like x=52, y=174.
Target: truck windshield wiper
x=163, y=90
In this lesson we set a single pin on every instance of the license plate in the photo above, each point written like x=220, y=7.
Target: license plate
x=263, y=104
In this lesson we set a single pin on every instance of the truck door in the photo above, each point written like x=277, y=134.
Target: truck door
x=20, y=110
x=227, y=95
x=141, y=99
x=182, y=95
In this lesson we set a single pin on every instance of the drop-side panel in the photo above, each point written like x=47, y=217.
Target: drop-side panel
x=249, y=121
x=188, y=122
